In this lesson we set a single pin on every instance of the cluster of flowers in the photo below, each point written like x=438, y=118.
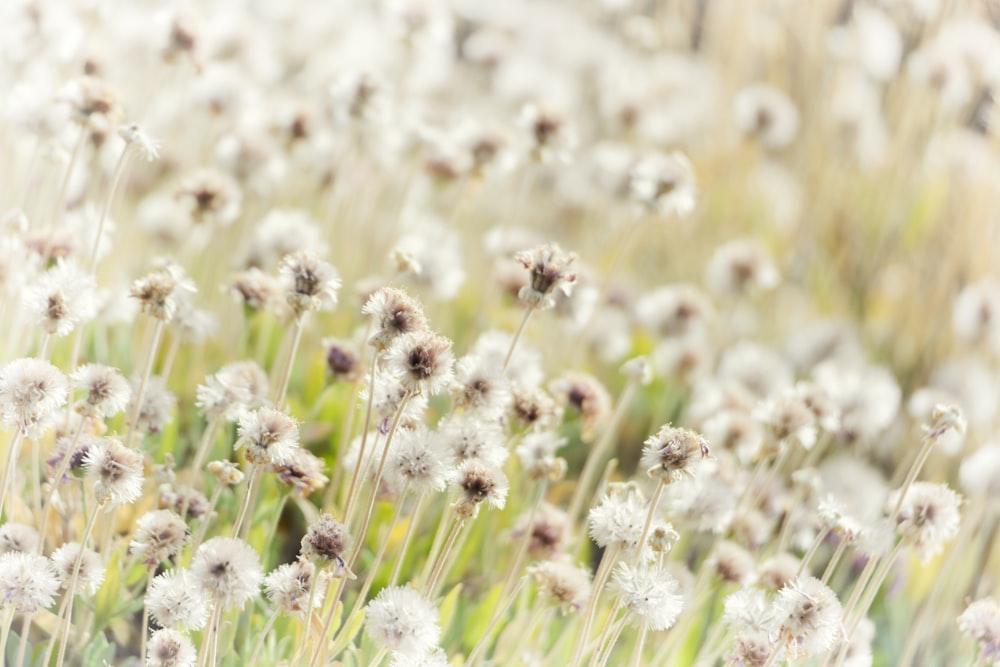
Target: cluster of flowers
x=195, y=474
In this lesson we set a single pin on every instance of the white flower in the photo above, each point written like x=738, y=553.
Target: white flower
x=169, y=648
x=310, y=284
x=177, y=600
x=62, y=298
x=31, y=393
x=107, y=390
x=403, y=620
x=116, y=471
x=288, y=587
x=422, y=361
x=92, y=570
x=664, y=182
x=768, y=114
x=28, y=582
x=649, y=593
x=806, y=617
x=928, y=517
x=230, y=570
x=268, y=435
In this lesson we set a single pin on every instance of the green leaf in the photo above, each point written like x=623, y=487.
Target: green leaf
x=351, y=628
x=99, y=652
x=447, y=609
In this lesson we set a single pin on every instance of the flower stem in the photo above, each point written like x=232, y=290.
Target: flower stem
x=143, y=381
x=247, y=499
x=352, y=489
x=484, y=641
x=430, y=589
x=263, y=636
x=603, y=571
x=517, y=336
x=410, y=532
x=71, y=588
x=286, y=373
x=13, y=452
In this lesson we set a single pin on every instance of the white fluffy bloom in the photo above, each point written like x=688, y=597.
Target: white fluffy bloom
x=664, y=182
x=169, y=648
x=268, y=435
x=436, y=657
x=31, y=393
x=62, y=298
x=229, y=568
x=28, y=582
x=617, y=521
x=310, y=284
x=106, y=390
x=159, y=534
x=403, y=620
x=981, y=622
x=418, y=460
x=288, y=587
x=116, y=471
x=481, y=387
x=806, y=617
x=176, y=600
x=650, y=594
x=232, y=391
x=767, y=113
x=92, y=568
x=422, y=361
x=928, y=517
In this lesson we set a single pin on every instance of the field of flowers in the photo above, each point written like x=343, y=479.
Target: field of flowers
x=533, y=332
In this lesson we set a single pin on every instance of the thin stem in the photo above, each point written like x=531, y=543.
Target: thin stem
x=334, y=600
x=813, y=548
x=263, y=636
x=60, y=198
x=286, y=373
x=143, y=381
x=431, y=588
x=352, y=489
x=57, y=480
x=144, y=628
x=522, y=547
x=170, y=357
x=247, y=499
x=637, y=651
x=911, y=476
x=71, y=588
x=206, y=640
x=609, y=625
x=442, y=529
x=345, y=439
x=8, y=619
x=204, y=447
x=13, y=453
x=410, y=532
x=22, y=644
x=834, y=560
x=612, y=641
x=517, y=336
x=115, y=179
x=203, y=528
x=484, y=641
x=603, y=571
x=653, y=504
x=599, y=451
x=373, y=568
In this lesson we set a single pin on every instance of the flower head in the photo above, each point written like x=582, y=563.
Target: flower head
x=157, y=291
x=549, y=270
x=928, y=517
x=159, y=534
x=62, y=298
x=230, y=570
x=806, y=616
x=327, y=542
x=310, y=284
x=268, y=435
x=303, y=472
x=567, y=584
x=403, y=620
x=393, y=314
x=18, y=537
x=418, y=461
x=478, y=482
x=422, y=361
x=169, y=648
x=31, y=393
x=91, y=572
x=232, y=391
x=106, y=391
x=28, y=582
x=288, y=587
x=650, y=594
x=116, y=470
x=981, y=622
x=176, y=600
x=673, y=453
x=664, y=182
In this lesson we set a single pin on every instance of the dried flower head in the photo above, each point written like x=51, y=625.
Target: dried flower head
x=418, y=461
x=477, y=482
x=256, y=289
x=226, y=473
x=568, y=584
x=649, y=593
x=806, y=617
x=673, y=453
x=981, y=622
x=739, y=268
x=95, y=103
x=117, y=472
x=210, y=197
x=303, y=472
x=91, y=572
x=159, y=535
x=585, y=394
x=617, y=520
x=18, y=537
x=481, y=387
x=732, y=563
x=28, y=582
x=31, y=393
x=268, y=436
x=236, y=388
x=403, y=620
x=327, y=542
x=157, y=291
x=548, y=532
x=158, y=404
x=928, y=517
x=139, y=140
x=169, y=648
x=106, y=391
x=62, y=298
x=548, y=267
x=393, y=314
x=185, y=497
x=343, y=361
x=550, y=137
x=664, y=182
x=288, y=587
x=176, y=600
x=775, y=572
x=768, y=114
x=533, y=407
x=310, y=284
x=537, y=451
x=422, y=361
x=230, y=570
x=466, y=438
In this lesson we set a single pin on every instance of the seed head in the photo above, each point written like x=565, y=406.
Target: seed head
x=478, y=482
x=92, y=570
x=673, y=453
x=117, y=472
x=229, y=569
x=549, y=269
x=177, y=600
x=327, y=542
x=422, y=361
x=393, y=314
x=159, y=535
x=169, y=648
x=268, y=435
x=403, y=620
x=28, y=582
x=106, y=391
x=31, y=393
x=310, y=284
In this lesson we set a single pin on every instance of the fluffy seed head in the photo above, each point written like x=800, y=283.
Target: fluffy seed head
x=650, y=595
x=28, y=582
x=393, y=314
x=62, y=298
x=18, y=537
x=310, y=284
x=673, y=453
x=177, y=600
x=116, y=471
x=549, y=270
x=303, y=472
x=287, y=587
x=422, y=361
x=169, y=648
x=92, y=568
x=564, y=582
x=326, y=542
x=106, y=391
x=928, y=517
x=478, y=482
x=268, y=435
x=159, y=535
x=31, y=393
x=981, y=622
x=230, y=570
x=157, y=291
x=403, y=620
x=806, y=616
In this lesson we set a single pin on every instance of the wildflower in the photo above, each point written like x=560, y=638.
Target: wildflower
x=674, y=311
x=159, y=535
x=548, y=532
x=107, y=392
x=732, y=563
x=343, y=361
x=750, y=648
x=91, y=572
x=739, y=268
x=975, y=315
x=533, y=407
x=673, y=453
x=746, y=609
x=303, y=471
x=764, y=112
x=388, y=398
x=176, y=600
x=537, y=451
x=280, y=233
x=664, y=182
x=928, y=517
x=157, y=291
x=230, y=570
x=393, y=314
x=258, y=290
x=210, y=197
x=268, y=435
x=565, y=583
x=548, y=267
x=422, y=361
x=806, y=617
x=430, y=257
x=226, y=472
x=31, y=393
x=787, y=417
x=436, y=657
x=417, y=461
x=649, y=593
x=158, y=404
x=981, y=622
x=778, y=570
x=28, y=582
x=310, y=284
x=326, y=542
x=231, y=392
x=117, y=472
x=662, y=537
x=945, y=418
x=138, y=139
x=288, y=587
x=481, y=387
x=186, y=496
x=403, y=620
x=169, y=648
x=979, y=472
x=586, y=395
x=18, y=537
x=193, y=325
x=478, y=482
x=94, y=102
x=468, y=438
x=550, y=137
x=62, y=298
x=617, y=520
